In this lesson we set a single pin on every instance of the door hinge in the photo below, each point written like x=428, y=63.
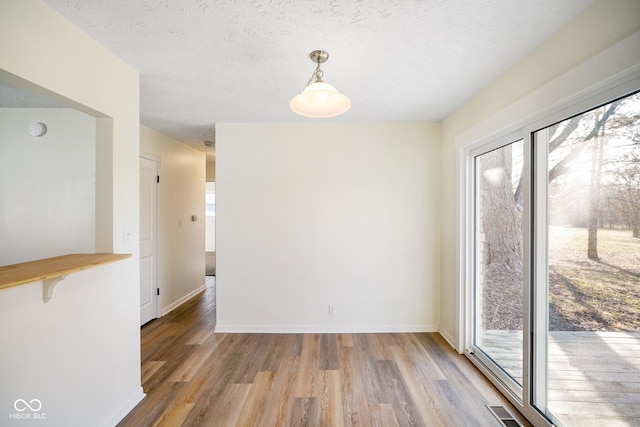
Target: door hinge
x=158, y=178
x=157, y=291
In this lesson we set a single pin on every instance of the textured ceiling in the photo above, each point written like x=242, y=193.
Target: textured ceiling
x=208, y=61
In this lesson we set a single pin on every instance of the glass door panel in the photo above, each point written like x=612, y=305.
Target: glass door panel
x=498, y=274
x=588, y=305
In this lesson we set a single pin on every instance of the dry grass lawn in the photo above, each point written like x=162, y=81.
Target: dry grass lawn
x=584, y=295
x=594, y=295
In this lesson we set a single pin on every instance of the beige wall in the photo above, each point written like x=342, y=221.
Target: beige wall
x=211, y=170
x=79, y=354
x=598, y=44
x=181, y=194
x=313, y=214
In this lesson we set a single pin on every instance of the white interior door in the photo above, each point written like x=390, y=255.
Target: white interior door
x=148, y=239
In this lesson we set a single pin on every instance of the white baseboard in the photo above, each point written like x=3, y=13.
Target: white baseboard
x=125, y=408
x=318, y=329
x=182, y=300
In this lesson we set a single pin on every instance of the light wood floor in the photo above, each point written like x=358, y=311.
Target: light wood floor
x=195, y=377
x=594, y=377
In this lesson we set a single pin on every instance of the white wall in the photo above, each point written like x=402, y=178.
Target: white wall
x=314, y=214
x=47, y=184
x=181, y=195
x=601, y=42
x=79, y=354
x=210, y=225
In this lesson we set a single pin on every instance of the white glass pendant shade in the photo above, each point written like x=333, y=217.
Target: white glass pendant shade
x=320, y=100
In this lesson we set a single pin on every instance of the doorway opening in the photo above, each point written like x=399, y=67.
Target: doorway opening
x=210, y=228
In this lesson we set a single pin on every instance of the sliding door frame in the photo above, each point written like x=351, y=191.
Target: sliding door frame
x=535, y=177
x=473, y=213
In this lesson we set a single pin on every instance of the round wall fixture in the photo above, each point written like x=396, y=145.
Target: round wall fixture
x=37, y=129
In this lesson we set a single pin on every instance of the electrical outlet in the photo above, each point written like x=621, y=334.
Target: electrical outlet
x=332, y=310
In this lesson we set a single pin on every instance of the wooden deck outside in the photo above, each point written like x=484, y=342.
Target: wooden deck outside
x=594, y=377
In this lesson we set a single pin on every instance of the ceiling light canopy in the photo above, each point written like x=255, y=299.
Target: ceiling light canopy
x=319, y=99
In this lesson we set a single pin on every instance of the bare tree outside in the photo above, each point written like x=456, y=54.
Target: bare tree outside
x=625, y=191
x=501, y=232
x=594, y=214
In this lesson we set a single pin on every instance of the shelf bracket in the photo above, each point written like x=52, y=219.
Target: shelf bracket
x=48, y=285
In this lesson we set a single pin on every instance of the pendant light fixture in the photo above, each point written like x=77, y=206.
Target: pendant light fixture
x=319, y=99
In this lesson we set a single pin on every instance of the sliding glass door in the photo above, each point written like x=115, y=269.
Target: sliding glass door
x=553, y=225
x=587, y=297
x=497, y=275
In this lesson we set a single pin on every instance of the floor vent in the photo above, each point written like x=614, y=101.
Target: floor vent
x=504, y=416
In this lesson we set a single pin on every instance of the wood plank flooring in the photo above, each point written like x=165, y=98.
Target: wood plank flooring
x=195, y=377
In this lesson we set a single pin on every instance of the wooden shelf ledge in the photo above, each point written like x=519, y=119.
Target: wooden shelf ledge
x=52, y=270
